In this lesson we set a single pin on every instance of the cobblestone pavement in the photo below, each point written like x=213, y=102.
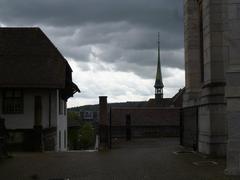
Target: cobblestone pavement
x=145, y=159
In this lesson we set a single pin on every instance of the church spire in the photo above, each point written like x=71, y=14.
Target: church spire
x=158, y=82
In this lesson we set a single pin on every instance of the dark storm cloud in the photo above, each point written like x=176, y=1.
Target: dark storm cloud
x=143, y=63
x=77, y=12
x=123, y=32
x=119, y=34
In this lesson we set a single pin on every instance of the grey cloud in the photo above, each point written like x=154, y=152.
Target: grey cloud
x=120, y=34
x=72, y=12
x=173, y=58
x=124, y=31
x=130, y=24
x=146, y=72
x=115, y=51
x=77, y=53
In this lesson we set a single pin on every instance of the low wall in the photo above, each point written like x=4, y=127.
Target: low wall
x=28, y=140
x=49, y=139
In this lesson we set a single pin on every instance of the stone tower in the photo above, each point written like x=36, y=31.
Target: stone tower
x=212, y=66
x=158, y=82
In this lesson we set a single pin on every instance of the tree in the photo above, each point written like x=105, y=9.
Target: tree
x=73, y=116
x=87, y=135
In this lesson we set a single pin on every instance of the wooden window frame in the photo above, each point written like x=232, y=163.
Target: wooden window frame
x=65, y=107
x=59, y=140
x=16, y=102
x=65, y=139
x=60, y=106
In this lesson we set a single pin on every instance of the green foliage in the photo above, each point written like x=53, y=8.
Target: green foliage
x=73, y=138
x=73, y=116
x=81, y=138
x=87, y=136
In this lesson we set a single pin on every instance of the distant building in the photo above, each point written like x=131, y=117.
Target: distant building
x=88, y=115
x=156, y=117
x=35, y=84
x=80, y=115
x=153, y=118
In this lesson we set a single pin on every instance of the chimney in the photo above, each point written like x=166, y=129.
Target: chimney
x=103, y=124
x=103, y=110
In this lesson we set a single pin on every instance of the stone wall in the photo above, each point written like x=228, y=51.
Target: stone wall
x=205, y=73
x=192, y=52
x=231, y=41
x=219, y=97
x=146, y=122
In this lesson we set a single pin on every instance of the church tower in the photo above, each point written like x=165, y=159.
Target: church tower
x=158, y=82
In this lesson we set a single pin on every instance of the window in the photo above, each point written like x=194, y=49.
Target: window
x=59, y=142
x=65, y=139
x=65, y=107
x=49, y=110
x=12, y=102
x=60, y=106
x=88, y=115
x=38, y=111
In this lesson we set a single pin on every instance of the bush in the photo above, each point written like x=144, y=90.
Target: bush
x=74, y=138
x=73, y=116
x=87, y=136
x=81, y=137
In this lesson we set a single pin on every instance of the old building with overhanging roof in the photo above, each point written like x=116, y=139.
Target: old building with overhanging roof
x=35, y=83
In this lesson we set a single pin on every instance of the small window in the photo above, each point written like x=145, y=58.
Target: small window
x=12, y=102
x=65, y=107
x=59, y=139
x=88, y=115
x=65, y=139
x=60, y=106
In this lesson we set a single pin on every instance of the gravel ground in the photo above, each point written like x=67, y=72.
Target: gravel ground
x=140, y=159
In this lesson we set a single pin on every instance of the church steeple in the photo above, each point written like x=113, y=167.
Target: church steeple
x=158, y=82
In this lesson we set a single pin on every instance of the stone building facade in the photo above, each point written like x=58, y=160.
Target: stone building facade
x=212, y=62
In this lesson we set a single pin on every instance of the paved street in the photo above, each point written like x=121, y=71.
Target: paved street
x=139, y=159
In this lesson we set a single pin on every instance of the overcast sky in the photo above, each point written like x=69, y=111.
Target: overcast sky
x=111, y=45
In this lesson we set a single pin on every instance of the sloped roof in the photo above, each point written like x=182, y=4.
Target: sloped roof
x=29, y=59
x=164, y=102
x=178, y=98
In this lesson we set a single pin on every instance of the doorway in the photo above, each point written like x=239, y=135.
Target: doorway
x=189, y=127
x=37, y=111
